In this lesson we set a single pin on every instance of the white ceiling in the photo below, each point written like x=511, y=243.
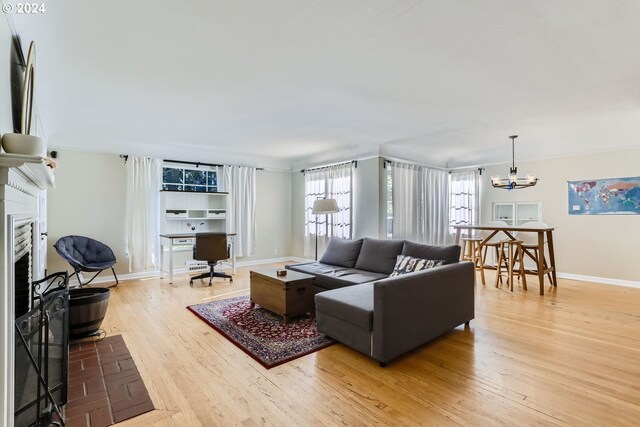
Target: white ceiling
x=289, y=83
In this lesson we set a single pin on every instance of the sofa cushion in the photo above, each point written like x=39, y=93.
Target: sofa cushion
x=408, y=264
x=315, y=268
x=353, y=304
x=379, y=255
x=347, y=277
x=450, y=253
x=342, y=252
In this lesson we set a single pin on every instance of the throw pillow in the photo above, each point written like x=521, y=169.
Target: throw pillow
x=342, y=252
x=408, y=264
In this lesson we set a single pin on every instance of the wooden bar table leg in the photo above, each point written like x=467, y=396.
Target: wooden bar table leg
x=541, y=260
x=510, y=269
x=552, y=258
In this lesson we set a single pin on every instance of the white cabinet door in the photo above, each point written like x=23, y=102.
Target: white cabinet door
x=504, y=212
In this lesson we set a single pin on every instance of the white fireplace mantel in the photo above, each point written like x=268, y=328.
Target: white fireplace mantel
x=22, y=180
x=31, y=167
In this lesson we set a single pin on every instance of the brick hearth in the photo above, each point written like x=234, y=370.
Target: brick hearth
x=105, y=386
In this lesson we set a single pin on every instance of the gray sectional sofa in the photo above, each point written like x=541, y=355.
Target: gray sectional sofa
x=358, y=304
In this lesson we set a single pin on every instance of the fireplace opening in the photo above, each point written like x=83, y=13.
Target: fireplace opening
x=22, y=268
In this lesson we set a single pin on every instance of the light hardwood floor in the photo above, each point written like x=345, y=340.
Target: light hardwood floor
x=571, y=357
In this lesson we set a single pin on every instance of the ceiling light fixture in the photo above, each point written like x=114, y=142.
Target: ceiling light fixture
x=513, y=181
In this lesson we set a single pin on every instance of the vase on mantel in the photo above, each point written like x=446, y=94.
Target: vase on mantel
x=26, y=145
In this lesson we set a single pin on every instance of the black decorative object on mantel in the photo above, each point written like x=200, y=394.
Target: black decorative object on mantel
x=42, y=354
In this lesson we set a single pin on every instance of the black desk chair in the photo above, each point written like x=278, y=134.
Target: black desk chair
x=211, y=247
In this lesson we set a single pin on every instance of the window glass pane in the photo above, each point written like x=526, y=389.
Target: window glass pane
x=198, y=188
x=211, y=189
x=212, y=178
x=196, y=177
x=173, y=175
x=172, y=187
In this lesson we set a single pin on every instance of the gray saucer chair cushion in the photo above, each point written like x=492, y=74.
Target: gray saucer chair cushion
x=85, y=253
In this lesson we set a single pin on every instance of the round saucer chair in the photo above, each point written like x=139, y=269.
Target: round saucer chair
x=86, y=255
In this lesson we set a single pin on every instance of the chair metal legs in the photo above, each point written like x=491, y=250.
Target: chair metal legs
x=78, y=274
x=210, y=274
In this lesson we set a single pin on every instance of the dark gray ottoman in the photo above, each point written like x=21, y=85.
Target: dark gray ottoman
x=346, y=315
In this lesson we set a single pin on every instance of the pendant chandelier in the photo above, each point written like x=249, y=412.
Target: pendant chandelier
x=513, y=181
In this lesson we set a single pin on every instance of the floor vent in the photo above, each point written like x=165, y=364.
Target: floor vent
x=197, y=265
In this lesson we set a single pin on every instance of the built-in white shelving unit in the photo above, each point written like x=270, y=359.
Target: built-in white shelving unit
x=193, y=212
x=517, y=213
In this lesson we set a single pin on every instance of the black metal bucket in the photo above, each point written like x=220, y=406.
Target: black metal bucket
x=87, y=308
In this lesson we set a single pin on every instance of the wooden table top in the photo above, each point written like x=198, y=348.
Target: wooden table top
x=292, y=276
x=502, y=227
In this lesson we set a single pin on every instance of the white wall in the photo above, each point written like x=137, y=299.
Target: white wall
x=273, y=215
x=367, y=196
x=297, y=212
x=90, y=200
x=603, y=246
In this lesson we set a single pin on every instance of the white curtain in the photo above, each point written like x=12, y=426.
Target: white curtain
x=464, y=199
x=420, y=203
x=334, y=182
x=436, y=206
x=339, y=188
x=240, y=183
x=407, y=201
x=142, y=225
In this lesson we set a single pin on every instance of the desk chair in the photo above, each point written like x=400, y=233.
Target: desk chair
x=211, y=247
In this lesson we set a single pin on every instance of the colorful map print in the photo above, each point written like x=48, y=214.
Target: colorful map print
x=619, y=196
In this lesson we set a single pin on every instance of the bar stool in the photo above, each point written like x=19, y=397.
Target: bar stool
x=493, y=242
x=530, y=242
x=510, y=252
x=471, y=251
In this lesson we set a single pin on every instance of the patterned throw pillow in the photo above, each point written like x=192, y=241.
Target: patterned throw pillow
x=408, y=264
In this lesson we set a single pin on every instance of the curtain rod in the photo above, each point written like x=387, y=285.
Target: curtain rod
x=394, y=159
x=198, y=164
x=184, y=162
x=353, y=162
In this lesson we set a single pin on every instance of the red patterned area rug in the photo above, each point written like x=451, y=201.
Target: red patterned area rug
x=260, y=333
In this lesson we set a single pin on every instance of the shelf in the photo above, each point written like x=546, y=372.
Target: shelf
x=32, y=167
x=194, y=218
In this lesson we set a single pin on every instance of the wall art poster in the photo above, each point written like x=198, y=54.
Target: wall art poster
x=619, y=196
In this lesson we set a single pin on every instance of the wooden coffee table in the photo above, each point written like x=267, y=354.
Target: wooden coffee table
x=287, y=296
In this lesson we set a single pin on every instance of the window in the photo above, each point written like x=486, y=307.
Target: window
x=333, y=182
x=188, y=179
x=464, y=198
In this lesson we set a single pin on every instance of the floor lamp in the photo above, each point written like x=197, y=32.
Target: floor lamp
x=323, y=207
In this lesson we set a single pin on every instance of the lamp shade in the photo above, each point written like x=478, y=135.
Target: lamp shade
x=325, y=206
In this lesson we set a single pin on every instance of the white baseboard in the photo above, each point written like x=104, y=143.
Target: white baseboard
x=107, y=276
x=600, y=280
